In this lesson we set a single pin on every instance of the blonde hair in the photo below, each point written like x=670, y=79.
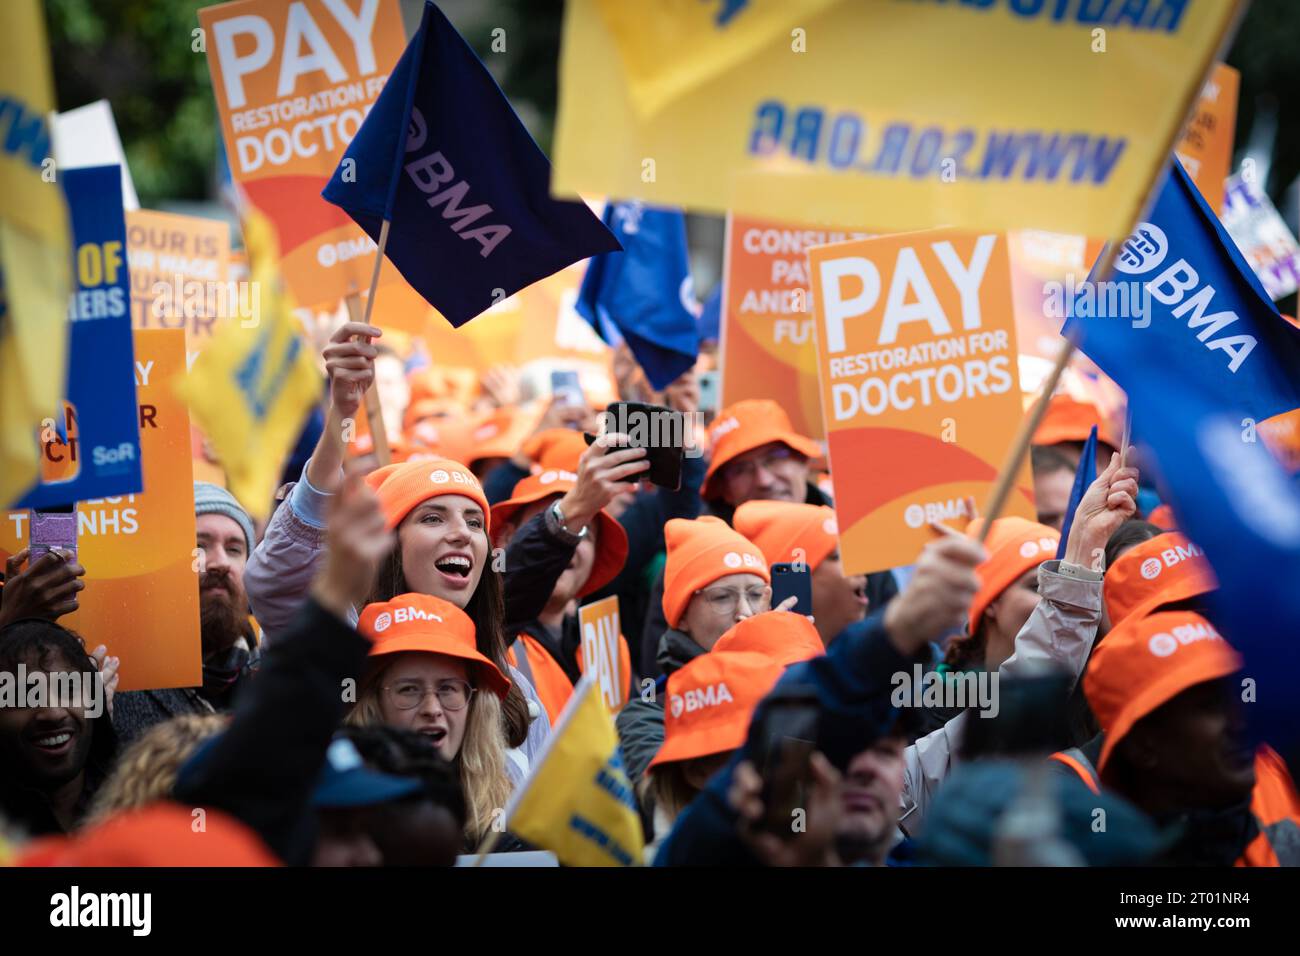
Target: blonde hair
x=481, y=761
x=147, y=769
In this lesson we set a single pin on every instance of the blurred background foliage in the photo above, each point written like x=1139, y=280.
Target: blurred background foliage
x=138, y=55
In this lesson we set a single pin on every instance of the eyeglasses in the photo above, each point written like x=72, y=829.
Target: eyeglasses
x=748, y=469
x=727, y=600
x=408, y=695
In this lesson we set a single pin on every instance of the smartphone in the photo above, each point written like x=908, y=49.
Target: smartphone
x=710, y=388
x=566, y=387
x=659, y=430
x=54, y=527
x=792, y=580
x=785, y=738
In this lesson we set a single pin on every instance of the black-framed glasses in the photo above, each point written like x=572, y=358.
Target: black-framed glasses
x=452, y=694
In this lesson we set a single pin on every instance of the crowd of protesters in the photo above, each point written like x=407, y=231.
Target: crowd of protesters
x=384, y=660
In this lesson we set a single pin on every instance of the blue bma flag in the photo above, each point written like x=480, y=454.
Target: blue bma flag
x=1233, y=499
x=645, y=293
x=1183, y=301
x=466, y=191
x=1084, y=476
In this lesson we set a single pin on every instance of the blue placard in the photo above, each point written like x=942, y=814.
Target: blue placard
x=101, y=433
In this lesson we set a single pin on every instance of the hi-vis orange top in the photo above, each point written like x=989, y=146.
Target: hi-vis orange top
x=548, y=677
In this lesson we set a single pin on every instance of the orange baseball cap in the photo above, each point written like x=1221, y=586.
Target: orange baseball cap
x=1015, y=545
x=160, y=834
x=1161, y=570
x=780, y=636
x=401, y=487
x=1146, y=662
x=1068, y=419
x=555, y=448
x=424, y=623
x=700, y=551
x=711, y=701
x=611, y=539
x=781, y=527
x=745, y=426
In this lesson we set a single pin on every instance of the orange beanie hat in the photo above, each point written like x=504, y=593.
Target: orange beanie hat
x=401, y=487
x=1015, y=545
x=699, y=552
x=1146, y=662
x=781, y=527
x=780, y=636
x=555, y=448
x=1161, y=570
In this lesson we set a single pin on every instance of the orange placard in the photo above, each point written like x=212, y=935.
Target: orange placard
x=293, y=82
x=917, y=357
x=142, y=594
x=603, y=649
x=1039, y=259
x=767, y=333
x=1206, y=145
x=180, y=275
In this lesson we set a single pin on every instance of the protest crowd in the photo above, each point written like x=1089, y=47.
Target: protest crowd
x=436, y=614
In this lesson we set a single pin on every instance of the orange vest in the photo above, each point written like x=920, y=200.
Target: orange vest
x=1274, y=802
x=548, y=677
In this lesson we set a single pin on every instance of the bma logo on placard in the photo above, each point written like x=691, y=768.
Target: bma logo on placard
x=1143, y=251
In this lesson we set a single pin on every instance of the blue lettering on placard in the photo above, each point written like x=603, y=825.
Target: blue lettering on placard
x=259, y=394
x=728, y=11
x=28, y=134
x=596, y=835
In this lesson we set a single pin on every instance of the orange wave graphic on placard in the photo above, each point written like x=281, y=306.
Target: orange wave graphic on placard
x=908, y=460
x=295, y=205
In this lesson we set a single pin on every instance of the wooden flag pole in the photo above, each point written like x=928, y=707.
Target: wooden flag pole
x=374, y=411
x=1020, y=447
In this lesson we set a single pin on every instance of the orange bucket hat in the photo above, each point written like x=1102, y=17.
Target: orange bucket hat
x=611, y=539
x=780, y=636
x=555, y=448
x=781, y=527
x=430, y=625
x=1068, y=419
x=160, y=834
x=1161, y=570
x=700, y=551
x=745, y=426
x=1015, y=545
x=711, y=701
x=1145, y=663
x=401, y=487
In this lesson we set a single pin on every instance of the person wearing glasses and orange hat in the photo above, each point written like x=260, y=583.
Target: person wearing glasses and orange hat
x=426, y=674
x=714, y=578
x=1167, y=689
x=755, y=455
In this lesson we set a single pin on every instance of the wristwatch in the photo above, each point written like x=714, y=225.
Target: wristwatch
x=555, y=524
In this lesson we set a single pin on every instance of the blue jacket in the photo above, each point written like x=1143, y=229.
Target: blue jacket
x=852, y=682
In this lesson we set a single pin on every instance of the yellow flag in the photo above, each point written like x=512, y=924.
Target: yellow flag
x=35, y=273
x=883, y=115
x=578, y=801
x=684, y=43
x=254, y=384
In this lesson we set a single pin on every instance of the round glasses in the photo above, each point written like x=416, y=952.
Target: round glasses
x=452, y=694
x=748, y=469
x=727, y=600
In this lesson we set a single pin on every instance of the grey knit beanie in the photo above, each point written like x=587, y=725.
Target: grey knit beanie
x=213, y=499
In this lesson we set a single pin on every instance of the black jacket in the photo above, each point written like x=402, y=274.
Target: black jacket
x=263, y=768
x=640, y=723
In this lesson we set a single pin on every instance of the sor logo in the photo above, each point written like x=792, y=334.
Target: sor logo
x=1162, y=645
x=383, y=622
x=675, y=705
x=1150, y=568
x=1142, y=251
